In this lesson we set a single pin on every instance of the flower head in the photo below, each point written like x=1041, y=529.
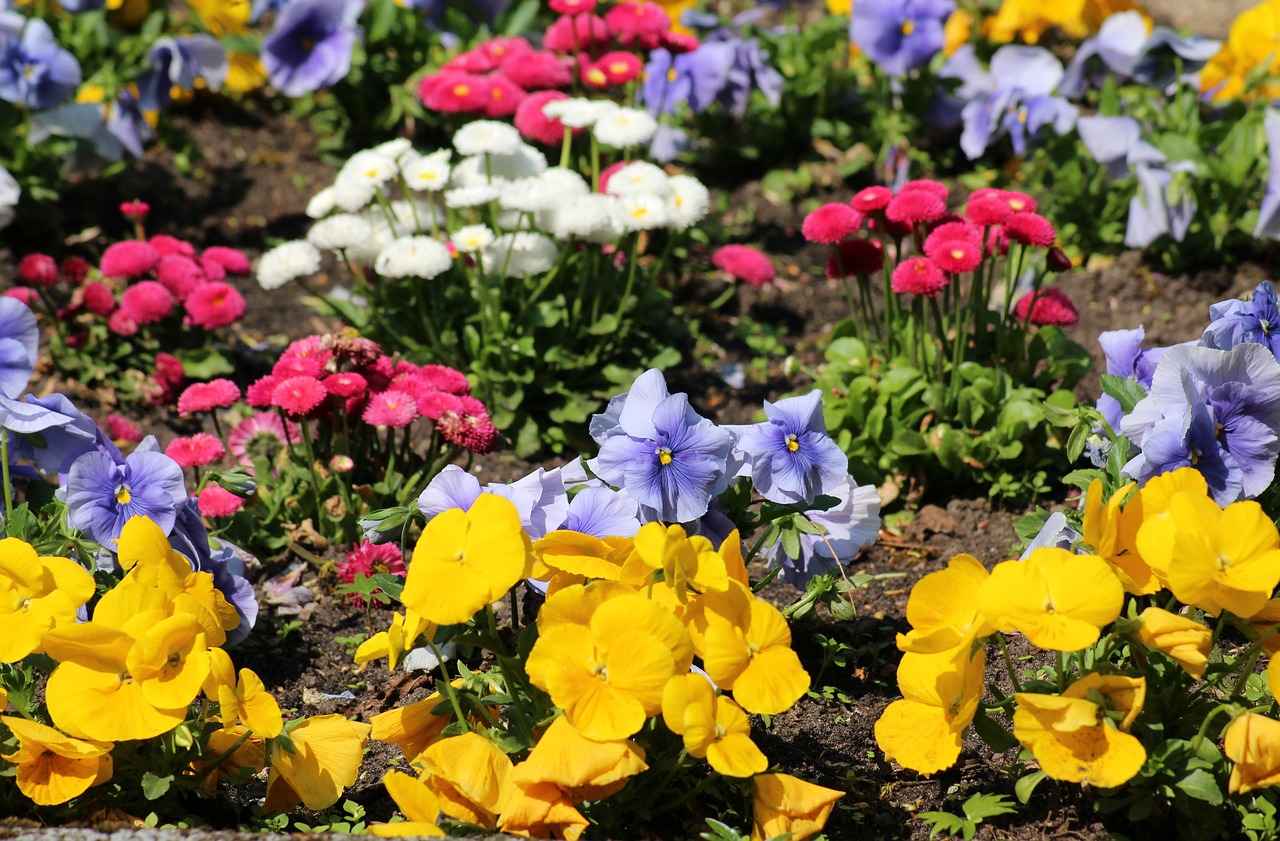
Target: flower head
x=215, y=305
x=1250, y=743
x=924, y=731
x=919, y=276
x=391, y=408
x=1073, y=740
x=196, y=450
x=792, y=458
x=831, y=223
x=310, y=47
x=1047, y=306
x=785, y=805
x=53, y=768
x=745, y=263
x=287, y=262
x=298, y=395
x=216, y=501
x=900, y=36
x=1056, y=598
x=207, y=396
x=129, y=258
x=19, y=343
x=103, y=494
x=34, y=71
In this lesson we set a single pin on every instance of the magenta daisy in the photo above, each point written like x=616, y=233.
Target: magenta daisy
x=262, y=437
x=391, y=408
x=346, y=384
x=298, y=395
x=217, y=501
x=195, y=450
x=205, y=397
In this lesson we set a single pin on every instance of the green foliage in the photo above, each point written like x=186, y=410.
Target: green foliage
x=977, y=809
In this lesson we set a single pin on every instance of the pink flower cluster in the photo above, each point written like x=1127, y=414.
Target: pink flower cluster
x=139, y=282
x=953, y=244
x=508, y=77
x=367, y=559
x=320, y=375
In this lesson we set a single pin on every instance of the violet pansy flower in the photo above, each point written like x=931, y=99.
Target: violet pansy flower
x=1126, y=357
x=1190, y=441
x=851, y=525
x=310, y=47
x=34, y=71
x=792, y=458
x=900, y=35
x=1123, y=48
x=19, y=344
x=179, y=62
x=1256, y=320
x=103, y=494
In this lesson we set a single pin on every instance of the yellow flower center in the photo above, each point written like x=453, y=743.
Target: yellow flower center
x=1022, y=115
x=908, y=26
x=792, y=443
x=1017, y=204
x=671, y=75
x=461, y=90
x=1223, y=562
x=123, y=496
x=664, y=456
x=618, y=67
x=957, y=253
x=597, y=76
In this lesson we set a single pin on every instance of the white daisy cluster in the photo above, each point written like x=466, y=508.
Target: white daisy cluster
x=492, y=197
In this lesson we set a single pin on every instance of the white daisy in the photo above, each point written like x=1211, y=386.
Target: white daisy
x=564, y=183
x=287, y=262
x=371, y=166
x=339, y=232
x=528, y=195
x=429, y=173
x=585, y=217
x=520, y=254
x=625, y=128
x=578, y=112
x=471, y=238
x=353, y=192
x=641, y=212
x=413, y=257
x=639, y=177
x=394, y=149
x=688, y=202
x=470, y=196
x=321, y=204
x=489, y=137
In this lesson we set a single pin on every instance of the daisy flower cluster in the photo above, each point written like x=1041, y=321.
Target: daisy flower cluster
x=334, y=414
x=144, y=294
x=488, y=252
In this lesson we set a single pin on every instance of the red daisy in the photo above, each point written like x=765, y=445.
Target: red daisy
x=98, y=299
x=678, y=43
x=75, y=269
x=572, y=7
x=121, y=430
x=640, y=23
x=1048, y=306
x=454, y=92
x=620, y=67
x=38, y=270
x=180, y=275
x=165, y=244
x=855, y=257
x=539, y=70
x=954, y=256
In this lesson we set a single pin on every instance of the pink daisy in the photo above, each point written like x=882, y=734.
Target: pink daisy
x=165, y=244
x=119, y=323
x=368, y=559
x=38, y=270
x=954, y=256
x=391, y=408
x=180, y=275
x=147, y=302
x=620, y=67
x=214, y=305
x=1030, y=229
x=679, y=43
x=831, y=223
x=911, y=207
x=261, y=436
x=205, y=397
x=454, y=92
x=988, y=210
x=1049, y=306
x=258, y=395
x=572, y=7
x=745, y=263
x=504, y=96
x=1020, y=202
x=471, y=430
x=232, y=261
x=130, y=258
x=435, y=404
x=856, y=257
x=576, y=32
x=445, y=378
x=346, y=384
x=298, y=395
x=217, y=501
x=640, y=23
x=936, y=187
x=871, y=199
x=195, y=450
x=121, y=430
x=919, y=276
x=135, y=209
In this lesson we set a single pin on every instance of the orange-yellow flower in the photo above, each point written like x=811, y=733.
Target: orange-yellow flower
x=1057, y=599
x=924, y=730
x=712, y=726
x=1031, y=18
x=1219, y=559
x=943, y=608
x=957, y=31
x=1072, y=738
x=1150, y=508
x=327, y=750
x=686, y=562
x=782, y=804
x=1185, y=640
x=541, y=810
x=746, y=649
x=1106, y=527
x=470, y=777
x=245, y=699
x=608, y=675
x=36, y=594
x=246, y=758
x=414, y=727
x=404, y=633
x=223, y=16
x=53, y=768
x=1250, y=45
x=466, y=560
x=416, y=801
x=1252, y=742
x=584, y=769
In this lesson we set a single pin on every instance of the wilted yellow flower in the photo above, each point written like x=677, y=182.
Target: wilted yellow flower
x=53, y=768
x=1057, y=599
x=326, y=760
x=584, y=769
x=782, y=804
x=1072, y=738
x=1250, y=45
x=713, y=727
x=924, y=730
x=1252, y=742
x=686, y=562
x=1219, y=559
x=403, y=634
x=250, y=756
x=1185, y=640
x=416, y=801
x=943, y=608
x=470, y=777
x=36, y=594
x=608, y=675
x=1106, y=528
x=746, y=649
x=466, y=560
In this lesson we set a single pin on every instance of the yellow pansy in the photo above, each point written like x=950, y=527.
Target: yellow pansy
x=785, y=805
x=416, y=801
x=470, y=776
x=957, y=31
x=1250, y=45
x=325, y=761
x=414, y=727
x=943, y=608
x=541, y=810
x=924, y=730
x=1219, y=559
x=675, y=10
x=608, y=676
x=1057, y=599
x=751, y=656
x=249, y=701
x=1072, y=738
x=713, y=727
x=1120, y=692
x=1185, y=640
x=36, y=594
x=584, y=769
x=1252, y=743
x=686, y=562
x=404, y=633
x=223, y=17
x=840, y=7
x=1031, y=18
x=1150, y=508
x=245, y=73
x=170, y=661
x=1106, y=527
x=248, y=756
x=466, y=560
x=53, y=768
x=578, y=554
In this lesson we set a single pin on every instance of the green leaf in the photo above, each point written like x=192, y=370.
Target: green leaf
x=1201, y=785
x=996, y=737
x=979, y=807
x=153, y=787
x=390, y=584
x=203, y=363
x=1026, y=786
x=1126, y=392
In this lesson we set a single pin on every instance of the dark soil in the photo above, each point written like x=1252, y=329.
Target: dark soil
x=255, y=173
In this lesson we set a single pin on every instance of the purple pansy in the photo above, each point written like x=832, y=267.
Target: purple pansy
x=1190, y=441
x=1242, y=388
x=1256, y=320
x=900, y=35
x=602, y=512
x=102, y=494
x=792, y=459
x=669, y=458
x=34, y=71
x=19, y=344
x=1126, y=357
x=64, y=433
x=1123, y=48
x=179, y=62
x=1269, y=213
x=310, y=47
x=853, y=524
x=452, y=487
